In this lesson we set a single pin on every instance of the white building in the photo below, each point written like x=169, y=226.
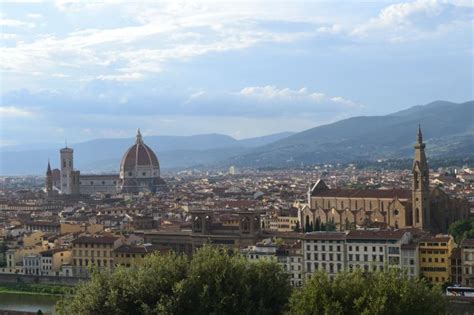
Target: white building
x=372, y=250
x=324, y=251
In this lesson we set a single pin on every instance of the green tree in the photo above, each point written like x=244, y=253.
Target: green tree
x=389, y=292
x=462, y=229
x=297, y=227
x=214, y=281
x=318, y=224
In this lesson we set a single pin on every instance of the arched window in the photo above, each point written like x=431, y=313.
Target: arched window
x=417, y=215
x=417, y=184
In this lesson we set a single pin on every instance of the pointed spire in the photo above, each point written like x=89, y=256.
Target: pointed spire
x=48, y=171
x=139, y=137
x=420, y=135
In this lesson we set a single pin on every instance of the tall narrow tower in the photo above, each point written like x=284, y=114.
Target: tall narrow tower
x=67, y=167
x=49, y=180
x=420, y=186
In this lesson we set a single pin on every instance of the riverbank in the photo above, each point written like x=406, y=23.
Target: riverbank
x=36, y=289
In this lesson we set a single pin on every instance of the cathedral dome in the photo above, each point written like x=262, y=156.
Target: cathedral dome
x=139, y=161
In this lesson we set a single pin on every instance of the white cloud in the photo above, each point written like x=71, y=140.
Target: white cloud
x=121, y=77
x=15, y=23
x=34, y=16
x=13, y=112
x=409, y=21
x=270, y=93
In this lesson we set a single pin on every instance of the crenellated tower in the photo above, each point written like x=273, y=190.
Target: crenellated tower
x=420, y=186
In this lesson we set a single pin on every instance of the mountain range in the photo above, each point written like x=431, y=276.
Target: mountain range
x=448, y=130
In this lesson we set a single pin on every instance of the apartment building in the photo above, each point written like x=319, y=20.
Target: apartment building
x=435, y=252
x=324, y=251
x=291, y=260
x=93, y=251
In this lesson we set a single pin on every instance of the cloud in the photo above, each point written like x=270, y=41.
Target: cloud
x=408, y=21
x=271, y=94
x=34, y=16
x=15, y=23
x=122, y=77
x=13, y=112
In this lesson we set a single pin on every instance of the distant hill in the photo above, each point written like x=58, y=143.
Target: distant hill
x=103, y=155
x=448, y=130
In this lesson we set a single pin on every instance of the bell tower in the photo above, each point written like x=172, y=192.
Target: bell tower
x=420, y=186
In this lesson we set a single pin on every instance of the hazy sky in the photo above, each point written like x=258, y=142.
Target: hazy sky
x=248, y=68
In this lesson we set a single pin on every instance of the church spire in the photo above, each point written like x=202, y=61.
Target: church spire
x=48, y=170
x=420, y=135
x=139, y=139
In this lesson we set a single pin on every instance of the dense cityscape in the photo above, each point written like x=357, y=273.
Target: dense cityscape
x=304, y=220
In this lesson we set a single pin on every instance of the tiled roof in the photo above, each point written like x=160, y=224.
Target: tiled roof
x=370, y=235
x=325, y=236
x=101, y=239
x=364, y=193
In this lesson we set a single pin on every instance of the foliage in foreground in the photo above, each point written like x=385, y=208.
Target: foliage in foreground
x=212, y=282
x=389, y=292
x=216, y=282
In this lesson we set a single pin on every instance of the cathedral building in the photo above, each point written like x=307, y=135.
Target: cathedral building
x=421, y=207
x=139, y=172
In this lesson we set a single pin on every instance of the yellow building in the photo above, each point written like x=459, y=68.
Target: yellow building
x=133, y=255
x=434, y=258
x=93, y=251
x=91, y=228
x=33, y=238
x=52, y=261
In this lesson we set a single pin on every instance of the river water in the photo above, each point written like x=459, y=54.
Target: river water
x=28, y=302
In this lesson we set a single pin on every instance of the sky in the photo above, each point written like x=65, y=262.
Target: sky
x=101, y=69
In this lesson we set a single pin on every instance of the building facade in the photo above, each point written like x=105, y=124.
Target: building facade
x=435, y=253
x=467, y=257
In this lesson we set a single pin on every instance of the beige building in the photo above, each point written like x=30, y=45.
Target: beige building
x=53, y=260
x=133, y=255
x=93, y=251
x=33, y=238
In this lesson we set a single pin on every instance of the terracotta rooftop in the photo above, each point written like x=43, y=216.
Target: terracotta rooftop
x=325, y=236
x=99, y=239
x=364, y=193
x=370, y=235
x=139, y=249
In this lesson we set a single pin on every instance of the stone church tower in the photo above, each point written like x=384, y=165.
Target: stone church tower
x=420, y=186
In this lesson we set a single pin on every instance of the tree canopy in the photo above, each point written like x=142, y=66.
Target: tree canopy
x=212, y=282
x=216, y=281
x=462, y=229
x=380, y=292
